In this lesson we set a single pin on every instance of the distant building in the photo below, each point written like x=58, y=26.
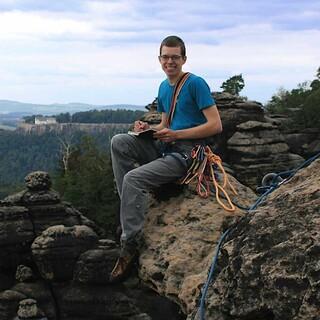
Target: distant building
x=45, y=120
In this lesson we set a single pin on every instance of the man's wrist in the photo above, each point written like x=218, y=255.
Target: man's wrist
x=179, y=134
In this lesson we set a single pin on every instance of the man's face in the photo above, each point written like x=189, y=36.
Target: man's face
x=171, y=61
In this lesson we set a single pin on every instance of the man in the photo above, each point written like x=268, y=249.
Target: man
x=165, y=159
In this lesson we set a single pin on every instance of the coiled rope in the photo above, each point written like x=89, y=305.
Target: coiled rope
x=204, y=167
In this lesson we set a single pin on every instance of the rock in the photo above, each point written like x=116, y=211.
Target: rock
x=94, y=266
x=24, y=274
x=142, y=316
x=45, y=207
x=94, y=303
x=152, y=117
x=57, y=249
x=32, y=197
x=9, y=302
x=258, y=148
x=306, y=143
x=269, y=267
x=38, y=181
x=180, y=237
x=46, y=210
x=41, y=293
x=313, y=148
x=234, y=111
x=28, y=310
x=16, y=235
x=6, y=280
x=48, y=215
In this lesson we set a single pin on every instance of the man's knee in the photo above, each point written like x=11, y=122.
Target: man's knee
x=118, y=141
x=131, y=178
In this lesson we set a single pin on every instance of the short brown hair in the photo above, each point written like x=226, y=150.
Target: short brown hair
x=174, y=41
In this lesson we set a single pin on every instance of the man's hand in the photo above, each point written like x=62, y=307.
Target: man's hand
x=166, y=135
x=140, y=126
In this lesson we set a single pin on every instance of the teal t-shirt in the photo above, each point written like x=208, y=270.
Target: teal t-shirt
x=193, y=98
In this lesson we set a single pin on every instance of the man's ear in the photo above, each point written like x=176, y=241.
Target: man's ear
x=184, y=59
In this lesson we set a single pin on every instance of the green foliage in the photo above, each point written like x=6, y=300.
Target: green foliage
x=107, y=116
x=88, y=184
x=22, y=154
x=309, y=114
x=5, y=190
x=95, y=116
x=234, y=84
x=63, y=117
x=30, y=119
x=302, y=104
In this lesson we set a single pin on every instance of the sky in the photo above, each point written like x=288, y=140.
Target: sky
x=106, y=52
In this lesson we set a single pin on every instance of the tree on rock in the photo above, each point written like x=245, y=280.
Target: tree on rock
x=88, y=184
x=233, y=85
x=315, y=84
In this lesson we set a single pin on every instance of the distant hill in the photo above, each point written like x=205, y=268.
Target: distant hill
x=8, y=106
x=11, y=112
x=4, y=127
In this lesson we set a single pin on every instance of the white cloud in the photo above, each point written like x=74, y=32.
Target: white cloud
x=16, y=24
x=106, y=51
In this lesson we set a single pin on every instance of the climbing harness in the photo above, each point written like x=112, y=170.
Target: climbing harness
x=204, y=168
x=276, y=181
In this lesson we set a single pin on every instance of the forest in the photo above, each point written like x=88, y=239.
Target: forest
x=301, y=104
x=94, y=116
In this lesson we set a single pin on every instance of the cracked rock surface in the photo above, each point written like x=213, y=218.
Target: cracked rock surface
x=269, y=268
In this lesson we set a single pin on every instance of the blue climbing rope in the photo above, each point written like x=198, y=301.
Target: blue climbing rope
x=285, y=176
x=212, y=269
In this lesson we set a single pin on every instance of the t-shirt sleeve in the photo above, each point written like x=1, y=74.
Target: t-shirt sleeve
x=201, y=93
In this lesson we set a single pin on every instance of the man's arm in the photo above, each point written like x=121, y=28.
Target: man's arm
x=162, y=124
x=210, y=128
x=141, y=125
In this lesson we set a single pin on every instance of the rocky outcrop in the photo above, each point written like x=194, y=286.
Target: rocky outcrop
x=91, y=128
x=54, y=266
x=257, y=148
x=180, y=237
x=305, y=142
x=60, y=243
x=235, y=110
x=269, y=267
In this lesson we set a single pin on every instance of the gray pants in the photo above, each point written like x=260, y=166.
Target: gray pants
x=134, y=182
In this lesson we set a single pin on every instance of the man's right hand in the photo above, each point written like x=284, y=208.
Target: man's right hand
x=140, y=126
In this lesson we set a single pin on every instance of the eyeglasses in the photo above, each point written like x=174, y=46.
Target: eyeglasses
x=173, y=57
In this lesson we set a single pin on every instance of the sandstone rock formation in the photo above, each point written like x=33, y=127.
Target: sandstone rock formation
x=27, y=128
x=180, y=237
x=53, y=266
x=269, y=267
x=257, y=148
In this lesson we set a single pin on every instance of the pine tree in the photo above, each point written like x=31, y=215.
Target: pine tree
x=234, y=84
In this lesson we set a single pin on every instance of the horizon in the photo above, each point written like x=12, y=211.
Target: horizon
x=105, y=52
